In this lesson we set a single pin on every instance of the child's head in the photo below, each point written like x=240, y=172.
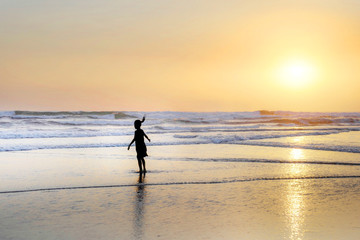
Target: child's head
x=137, y=124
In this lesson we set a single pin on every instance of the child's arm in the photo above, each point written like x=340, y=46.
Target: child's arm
x=131, y=143
x=147, y=137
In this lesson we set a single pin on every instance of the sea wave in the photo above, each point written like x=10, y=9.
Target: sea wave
x=260, y=160
x=220, y=134
x=66, y=114
x=314, y=121
x=6, y=113
x=185, y=136
x=171, y=127
x=176, y=139
x=193, y=118
x=323, y=147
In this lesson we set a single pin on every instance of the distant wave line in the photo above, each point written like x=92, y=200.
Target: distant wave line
x=259, y=160
x=179, y=183
x=120, y=132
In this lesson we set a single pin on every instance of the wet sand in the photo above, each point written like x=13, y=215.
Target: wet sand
x=190, y=192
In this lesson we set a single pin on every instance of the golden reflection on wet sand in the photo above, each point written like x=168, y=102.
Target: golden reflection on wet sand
x=296, y=204
x=295, y=210
x=139, y=208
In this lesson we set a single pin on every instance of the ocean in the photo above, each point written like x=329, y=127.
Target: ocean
x=27, y=130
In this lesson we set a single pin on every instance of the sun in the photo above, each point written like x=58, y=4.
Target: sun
x=296, y=73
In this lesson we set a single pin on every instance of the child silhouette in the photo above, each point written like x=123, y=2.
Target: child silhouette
x=140, y=144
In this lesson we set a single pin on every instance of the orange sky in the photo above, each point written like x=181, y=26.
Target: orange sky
x=180, y=56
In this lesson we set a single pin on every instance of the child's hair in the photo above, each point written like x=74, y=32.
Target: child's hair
x=137, y=124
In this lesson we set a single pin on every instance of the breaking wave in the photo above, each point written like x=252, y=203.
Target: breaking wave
x=66, y=114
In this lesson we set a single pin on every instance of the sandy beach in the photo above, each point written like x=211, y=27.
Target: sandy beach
x=190, y=192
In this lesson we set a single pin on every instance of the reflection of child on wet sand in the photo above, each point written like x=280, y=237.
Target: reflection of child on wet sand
x=140, y=144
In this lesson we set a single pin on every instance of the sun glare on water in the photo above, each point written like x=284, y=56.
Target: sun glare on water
x=296, y=74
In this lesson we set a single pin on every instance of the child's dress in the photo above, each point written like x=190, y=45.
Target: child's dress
x=140, y=143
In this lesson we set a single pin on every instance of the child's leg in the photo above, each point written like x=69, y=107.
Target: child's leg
x=139, y=163
x=143, y=162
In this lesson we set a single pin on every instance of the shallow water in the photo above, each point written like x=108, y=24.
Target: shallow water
x=62, y=168
x=190, y=191
x=289, y=209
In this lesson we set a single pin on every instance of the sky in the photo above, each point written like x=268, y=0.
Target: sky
x=198, y=55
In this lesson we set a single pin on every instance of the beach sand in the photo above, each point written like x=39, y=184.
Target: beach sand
x=207, y=191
